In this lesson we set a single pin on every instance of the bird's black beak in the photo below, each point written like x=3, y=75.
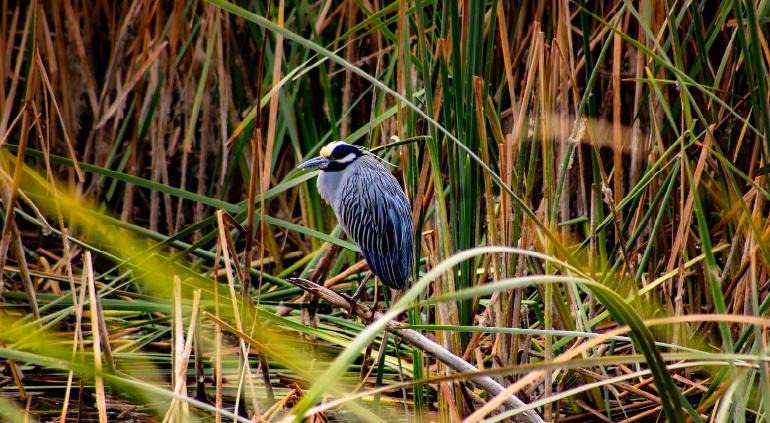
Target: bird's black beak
x=314, y=163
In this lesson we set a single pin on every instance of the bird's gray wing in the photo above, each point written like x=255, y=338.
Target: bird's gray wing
x=376, y=216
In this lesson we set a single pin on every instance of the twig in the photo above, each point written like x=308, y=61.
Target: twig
x=416, y=339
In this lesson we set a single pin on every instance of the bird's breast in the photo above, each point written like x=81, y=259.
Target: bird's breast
x=328, y=185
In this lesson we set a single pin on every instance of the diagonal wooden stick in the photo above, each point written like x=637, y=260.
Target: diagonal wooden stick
x=417, y=340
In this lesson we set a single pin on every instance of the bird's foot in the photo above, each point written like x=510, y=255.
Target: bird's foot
x=353, y=301
x=352, y=304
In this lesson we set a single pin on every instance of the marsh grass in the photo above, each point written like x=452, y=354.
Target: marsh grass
x=589, y=190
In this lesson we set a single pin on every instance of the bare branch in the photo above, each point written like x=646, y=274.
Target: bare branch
x=417, y=340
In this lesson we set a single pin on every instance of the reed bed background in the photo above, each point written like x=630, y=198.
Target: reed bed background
x=599, y=167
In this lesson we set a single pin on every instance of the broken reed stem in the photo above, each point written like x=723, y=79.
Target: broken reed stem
x=100, y=394
x=417, y=340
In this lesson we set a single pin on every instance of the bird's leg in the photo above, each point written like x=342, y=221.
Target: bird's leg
x=376, y=300
x=359, y=291
x=362, y=286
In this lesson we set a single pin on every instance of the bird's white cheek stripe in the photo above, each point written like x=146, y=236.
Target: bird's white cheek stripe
x=347, y=159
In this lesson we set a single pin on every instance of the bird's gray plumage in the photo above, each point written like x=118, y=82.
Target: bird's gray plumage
x=372, y=208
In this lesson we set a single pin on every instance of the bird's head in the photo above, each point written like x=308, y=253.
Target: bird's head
x=334, y=157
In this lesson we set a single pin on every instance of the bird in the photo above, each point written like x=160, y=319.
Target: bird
x=371, y=207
